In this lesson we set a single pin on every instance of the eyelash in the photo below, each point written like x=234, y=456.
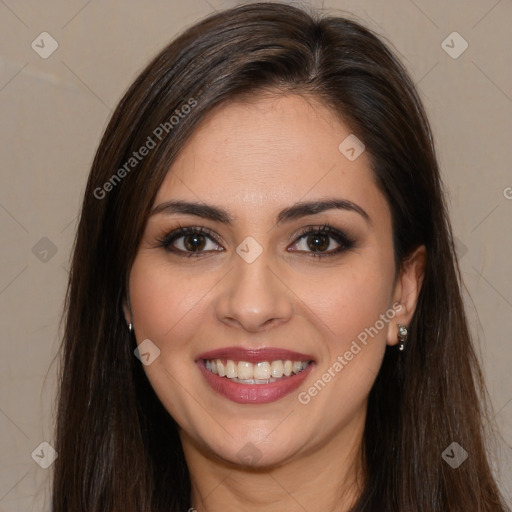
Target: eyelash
x=341, y=238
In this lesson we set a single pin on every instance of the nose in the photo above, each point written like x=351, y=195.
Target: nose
x=254, y=296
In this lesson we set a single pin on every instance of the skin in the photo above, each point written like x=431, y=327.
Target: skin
x=254, y=159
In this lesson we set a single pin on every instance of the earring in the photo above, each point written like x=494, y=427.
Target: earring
x=130, y=327
x=402, y=336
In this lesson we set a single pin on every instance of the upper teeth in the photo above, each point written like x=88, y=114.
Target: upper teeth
x=265, y=370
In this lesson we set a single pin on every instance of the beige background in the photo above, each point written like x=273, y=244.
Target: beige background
x=55, y=109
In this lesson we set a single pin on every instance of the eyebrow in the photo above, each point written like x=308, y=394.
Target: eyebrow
x=296, y=211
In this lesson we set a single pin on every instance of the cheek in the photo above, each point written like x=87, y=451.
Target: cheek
x=167, y=310
x=161, y=299
x=350, y=313
x=353, y=310
x=350, y=299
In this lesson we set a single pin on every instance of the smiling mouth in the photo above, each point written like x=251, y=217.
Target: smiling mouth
x=262, y=372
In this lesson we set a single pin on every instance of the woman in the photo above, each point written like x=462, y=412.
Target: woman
x=264, y=309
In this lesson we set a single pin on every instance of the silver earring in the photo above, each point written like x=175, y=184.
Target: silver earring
x=130, y=327
x=402, y=336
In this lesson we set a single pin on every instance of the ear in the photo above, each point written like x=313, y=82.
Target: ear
x=127, y=311
x=406, y=291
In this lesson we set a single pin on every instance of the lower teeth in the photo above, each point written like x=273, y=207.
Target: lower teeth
x=259, y=381
x=254, y=381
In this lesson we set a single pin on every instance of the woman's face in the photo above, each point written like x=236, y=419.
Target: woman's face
x=264, y=282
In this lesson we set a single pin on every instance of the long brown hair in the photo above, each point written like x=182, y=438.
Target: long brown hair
x=119, y=449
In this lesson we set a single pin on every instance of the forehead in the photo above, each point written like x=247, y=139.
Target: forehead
x=270, y=151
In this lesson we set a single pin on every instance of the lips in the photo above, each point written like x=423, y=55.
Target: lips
x=289, y=370
x=255, y=355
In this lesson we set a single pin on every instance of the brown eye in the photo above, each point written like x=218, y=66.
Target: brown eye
x=194, y=242
x=322, y=241
x=190, y=241
x=318, y=242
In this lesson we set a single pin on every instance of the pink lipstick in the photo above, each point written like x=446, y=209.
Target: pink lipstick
x=254, y=376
